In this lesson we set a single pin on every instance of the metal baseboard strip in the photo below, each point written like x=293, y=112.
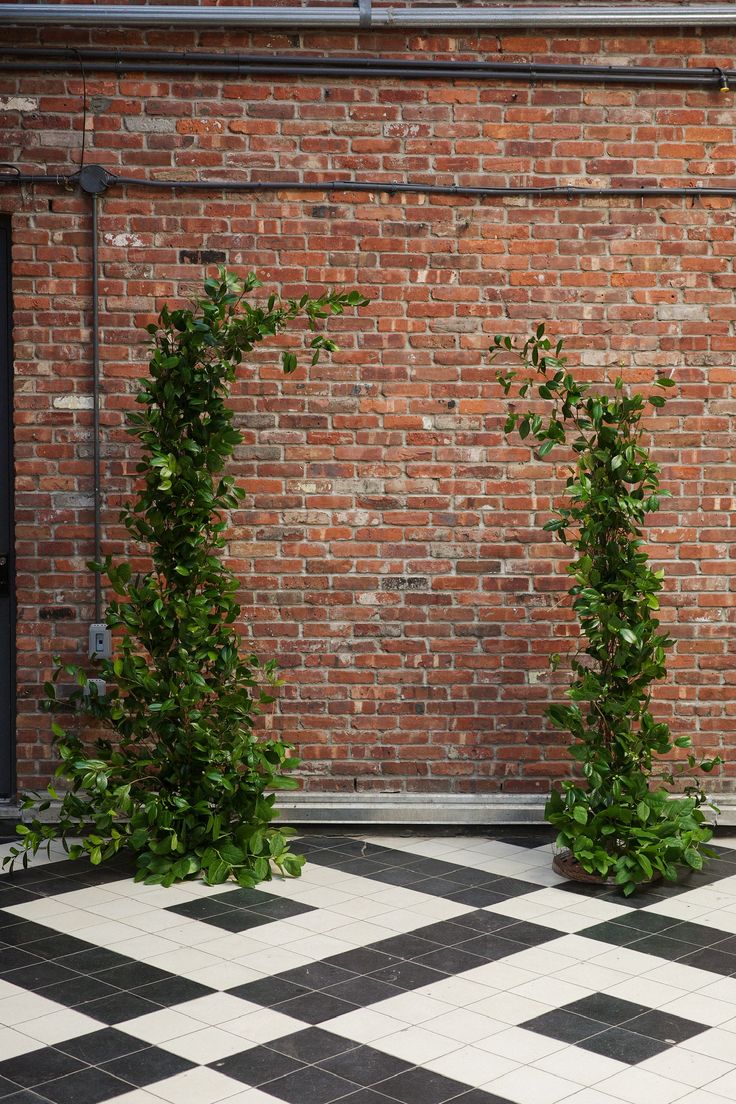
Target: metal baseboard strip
x=424, y=810
x=410, y=810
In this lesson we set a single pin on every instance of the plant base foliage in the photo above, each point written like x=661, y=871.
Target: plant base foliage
x=622, y=822
x=180, y=777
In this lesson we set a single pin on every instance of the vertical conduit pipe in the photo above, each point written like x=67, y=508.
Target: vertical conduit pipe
x=94, y=197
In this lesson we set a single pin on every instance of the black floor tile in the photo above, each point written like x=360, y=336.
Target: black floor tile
x=484, y=921
x=609, y=1010
x=268, y=991
x=650, y=922
x=88, y=1086
x=102, y=1046
x=410, y=975
x=23, y=933
x=449, y=933
x=79, y=990
x=713, y=959
x=531, y=935
x=663, y=1025
x=15, y=958
x=363, y=960
x=615, y=933
x=367, y=1096
x=492, y=946
x=455, y=960
x=422, y=1086
x=281, y=909
x=94, y=960
x=317, y=975
x=115, y=1009
x=29, y=1070
x=25, y=1096
x=399, y=876
x=132, y=975
x=310, y=1085
x=479, y=898
x=243, y=898
x=363, y=991
x=202, y=909
x=173, y=990
x=663, y=946
x=7, y=1087
x=40, y=975
x=365, y=1065
x=404, y=946
x=56, y=946
x=565, y=1026
x=315, y=1007
x=701, y=936
x=257, y=1065
x=623, y=1045
x=236, y=920
x=146, y=1066
x=313, y=1045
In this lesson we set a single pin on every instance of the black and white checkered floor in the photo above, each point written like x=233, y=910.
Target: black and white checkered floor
x=397, y=970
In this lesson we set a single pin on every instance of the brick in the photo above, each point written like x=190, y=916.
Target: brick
x=389, y=548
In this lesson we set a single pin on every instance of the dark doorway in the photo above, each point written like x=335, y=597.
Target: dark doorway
x=7, y=596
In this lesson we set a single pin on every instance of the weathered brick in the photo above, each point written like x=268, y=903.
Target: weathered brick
x=390, y=546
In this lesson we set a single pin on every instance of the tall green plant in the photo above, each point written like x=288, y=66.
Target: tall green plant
x=621, y=820
x=183, y=778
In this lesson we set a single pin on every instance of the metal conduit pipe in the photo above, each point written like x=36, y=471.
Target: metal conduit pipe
x=44, y=59
x=366, y=17
x=95, y=178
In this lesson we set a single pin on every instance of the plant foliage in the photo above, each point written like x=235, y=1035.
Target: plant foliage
x=180, y=777
x=622, y=820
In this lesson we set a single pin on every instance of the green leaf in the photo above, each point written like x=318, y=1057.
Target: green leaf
x=580, y=814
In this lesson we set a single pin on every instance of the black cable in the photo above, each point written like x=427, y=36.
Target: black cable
x=84, y=106
x=568, y=191
x=94, y=199
x=46, y=59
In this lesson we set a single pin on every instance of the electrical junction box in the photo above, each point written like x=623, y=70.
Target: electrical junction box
x=95, y=688
x=100, y=642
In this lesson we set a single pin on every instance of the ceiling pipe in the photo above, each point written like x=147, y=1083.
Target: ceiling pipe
x=366, y=17
x=59, y=59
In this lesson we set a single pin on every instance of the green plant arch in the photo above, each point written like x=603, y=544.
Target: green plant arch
x=621, y=820
x=183, y=779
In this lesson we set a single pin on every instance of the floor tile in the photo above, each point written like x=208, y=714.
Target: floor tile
x=399, y=969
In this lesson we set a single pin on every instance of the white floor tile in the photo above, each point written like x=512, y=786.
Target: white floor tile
x=471, y=1066
x=715, y=1043
x=59, y=1026
x=159, y=1027
x=412, y=1008
x=520, y=1045
x=581, y=1066
x=637, y=1086
x=460, y=1024
x=527, y=1085
x=216, y=1008
x=14, y=1043
x=363, y=1026
x=687, y=1066
x=209, y=1044
x=196, y=1086
x=417, y=1045
x=263, y=1025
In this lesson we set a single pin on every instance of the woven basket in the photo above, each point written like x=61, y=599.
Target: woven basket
x=567, y=867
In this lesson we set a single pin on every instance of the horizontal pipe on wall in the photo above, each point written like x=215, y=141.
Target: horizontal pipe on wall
x=95, y=178
x=45, y=59
x=572, y=17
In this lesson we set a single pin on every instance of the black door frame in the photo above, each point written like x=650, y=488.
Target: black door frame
x=7, y=592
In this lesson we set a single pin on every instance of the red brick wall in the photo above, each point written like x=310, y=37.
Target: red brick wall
x=390, y=547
